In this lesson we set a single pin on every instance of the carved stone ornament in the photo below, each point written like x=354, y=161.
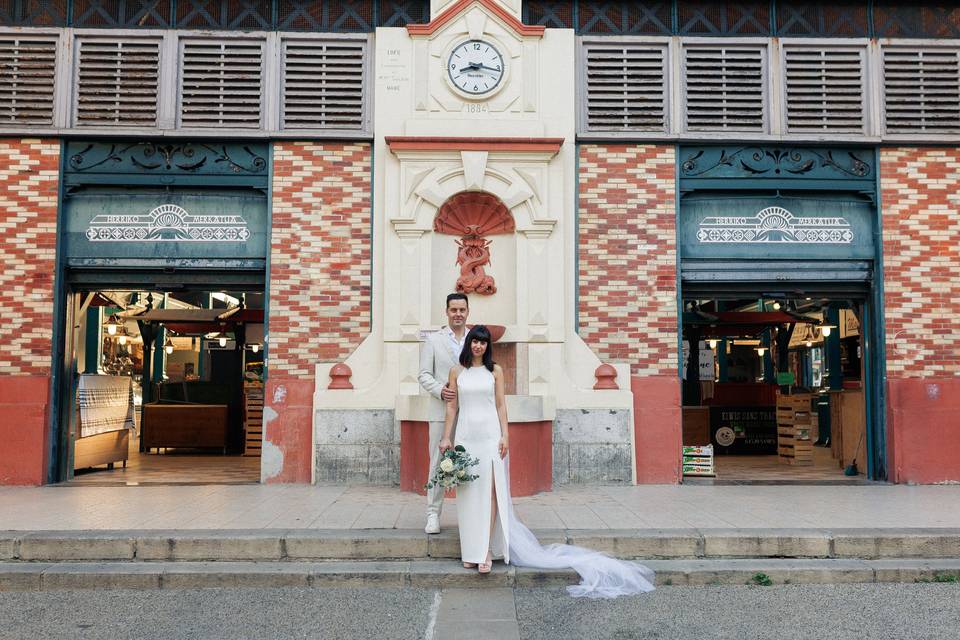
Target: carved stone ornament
x=474, y=215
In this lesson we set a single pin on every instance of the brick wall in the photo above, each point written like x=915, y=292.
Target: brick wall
x=319, y=288
x=320, y=254
x=627, y=253
x=920, y=198
x=29, y=174
x=920, y=190
x=628, y=289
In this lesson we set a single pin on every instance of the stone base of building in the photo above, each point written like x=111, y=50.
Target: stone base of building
x=356, y=446
x=592, y=446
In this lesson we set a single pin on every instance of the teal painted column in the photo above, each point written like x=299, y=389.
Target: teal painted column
x=159, y=355
x=91, y=361
x=722, y=361
x=831, y=359
x=769, y=375
x=831, y=351
x=201, y=359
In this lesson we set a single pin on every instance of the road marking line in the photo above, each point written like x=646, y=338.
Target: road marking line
x=432, y=617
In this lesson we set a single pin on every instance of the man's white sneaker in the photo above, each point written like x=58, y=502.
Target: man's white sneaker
x=433, y=524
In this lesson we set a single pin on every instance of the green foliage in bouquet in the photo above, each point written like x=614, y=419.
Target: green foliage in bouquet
x=453, y=469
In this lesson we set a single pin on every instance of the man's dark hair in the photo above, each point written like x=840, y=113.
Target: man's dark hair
x=458, y=296
x=481, y=333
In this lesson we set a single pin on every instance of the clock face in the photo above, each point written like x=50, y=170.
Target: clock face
x=475, y=67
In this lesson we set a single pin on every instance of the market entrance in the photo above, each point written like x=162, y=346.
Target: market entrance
x=781, y=299
x=777, y=389
x=162, y=298
x=168, y=386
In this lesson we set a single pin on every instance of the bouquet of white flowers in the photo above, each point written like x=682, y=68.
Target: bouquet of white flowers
x=453, y=469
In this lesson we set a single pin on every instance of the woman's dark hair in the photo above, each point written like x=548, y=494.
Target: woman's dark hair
x=481, y=333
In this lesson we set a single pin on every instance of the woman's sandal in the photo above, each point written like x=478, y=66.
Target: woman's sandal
x=485, y=567
x=469, y=565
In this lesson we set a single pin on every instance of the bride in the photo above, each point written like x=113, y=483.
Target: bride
x=489, y=529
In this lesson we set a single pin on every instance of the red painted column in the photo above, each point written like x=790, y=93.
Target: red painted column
x=921, y=255
x=658, y=431
x=531, y=456
x=627, y=278
x=923, y=427
x=24, y=429
x=287, y=454
x=29, y=174
x=319, y=288
x=414, y=457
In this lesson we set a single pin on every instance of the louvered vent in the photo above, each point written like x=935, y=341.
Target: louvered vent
x=921, y=90
x=323, y=84
x=27, y=69
x=221, y=84
x=117, y=82
x=825, y=89
x=724, y=88
x=626, y=86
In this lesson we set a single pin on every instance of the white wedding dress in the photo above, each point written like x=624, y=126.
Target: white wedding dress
x=478, y=430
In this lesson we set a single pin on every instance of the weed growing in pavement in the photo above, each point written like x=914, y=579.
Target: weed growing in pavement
x=761, y=580
x=939, y=577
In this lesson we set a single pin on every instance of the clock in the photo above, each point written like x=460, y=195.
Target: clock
x=475, y=67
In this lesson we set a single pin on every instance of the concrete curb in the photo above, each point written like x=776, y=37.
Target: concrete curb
x=19, y=576
x=392, y=544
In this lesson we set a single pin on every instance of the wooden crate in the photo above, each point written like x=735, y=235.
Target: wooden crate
x=252, y=418
x=794, y=423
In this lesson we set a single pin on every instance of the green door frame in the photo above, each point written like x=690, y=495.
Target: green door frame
x=145, y=163
x=770, y=167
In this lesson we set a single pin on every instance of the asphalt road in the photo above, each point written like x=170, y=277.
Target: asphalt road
x=855, y=612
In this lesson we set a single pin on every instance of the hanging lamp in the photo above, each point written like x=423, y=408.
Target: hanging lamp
x=112, y=324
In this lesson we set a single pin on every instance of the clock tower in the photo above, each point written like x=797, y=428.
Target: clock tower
x=475, y=191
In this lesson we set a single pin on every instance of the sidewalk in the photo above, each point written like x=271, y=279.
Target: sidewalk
x=254, y=507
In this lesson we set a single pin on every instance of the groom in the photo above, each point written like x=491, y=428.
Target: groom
x=441, y=351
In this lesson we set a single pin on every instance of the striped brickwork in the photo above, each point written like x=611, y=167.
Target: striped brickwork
x=320, y=254
x=29, y=175
x=920, y=192
x=628, y=256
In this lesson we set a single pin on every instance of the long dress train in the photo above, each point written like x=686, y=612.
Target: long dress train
x=478, y=430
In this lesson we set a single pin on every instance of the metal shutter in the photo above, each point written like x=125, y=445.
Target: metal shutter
x=724, y=87
x=626, y=88
x=117, y=82
x=921, y=90
x=825, y=89
x=27, y=71
x=221, y=83
x=323, y=84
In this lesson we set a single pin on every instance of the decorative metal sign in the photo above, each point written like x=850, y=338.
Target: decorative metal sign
x=774, y=225
x=168, y=223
